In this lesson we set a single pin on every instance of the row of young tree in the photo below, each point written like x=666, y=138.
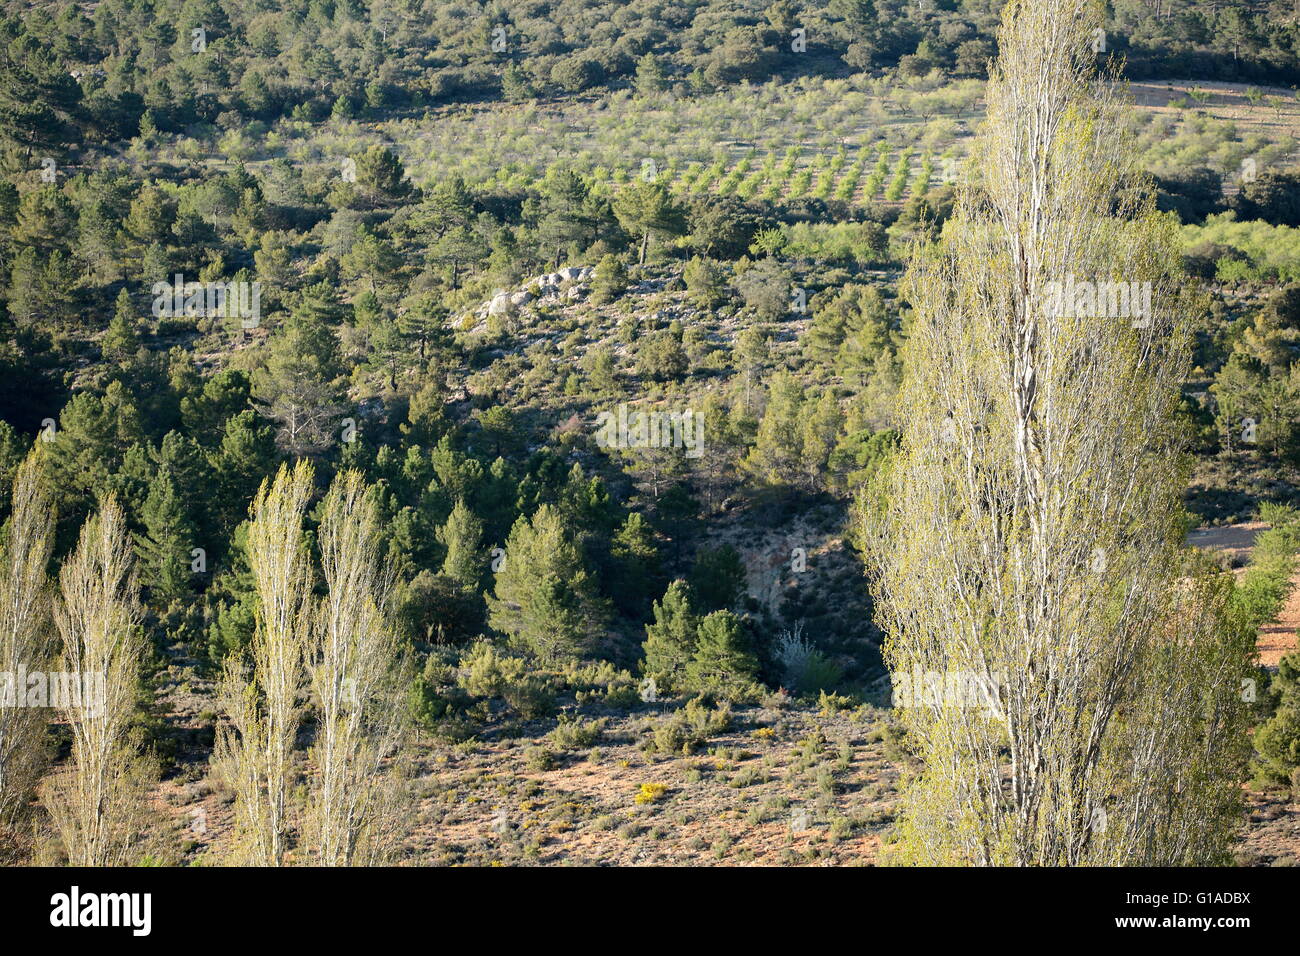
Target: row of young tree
x=70, y=76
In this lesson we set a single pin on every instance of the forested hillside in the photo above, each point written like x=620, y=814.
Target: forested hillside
x=531, y=370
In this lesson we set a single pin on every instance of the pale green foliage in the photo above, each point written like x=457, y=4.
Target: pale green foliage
x=255, y=752
x=1032, y=535
x=357, y=676
x=26, y=638
x=98, y=801
x=462, y=536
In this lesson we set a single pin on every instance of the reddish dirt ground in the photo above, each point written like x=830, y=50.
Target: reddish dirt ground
x=1235, y=542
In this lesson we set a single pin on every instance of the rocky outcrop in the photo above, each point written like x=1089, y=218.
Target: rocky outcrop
x=566, y=285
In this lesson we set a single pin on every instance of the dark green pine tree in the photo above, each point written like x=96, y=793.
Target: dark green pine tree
x=221, y=396
x=718, y=578
x=381, y=173
x=233, y=598
x=246, y=457
x=297, y=387
x=37, y=95
x=635, y=569
x=723, y=657
x=670, y=640
x=166, y=544
x=121, y=340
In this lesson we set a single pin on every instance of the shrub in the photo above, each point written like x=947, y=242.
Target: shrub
x=609, y=281
x=691, y=727
x=662, y=357
x=434, y=695
x=485, y=672
x=576, y=734
x=705, y=286
x=830, y=703
x=805, y=669
x=765, y=287
x=539, y=759
x=651, y=793
x=530, y=697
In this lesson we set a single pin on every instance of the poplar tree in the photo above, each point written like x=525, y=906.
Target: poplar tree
x=98, y=801
x=356, y=676
x=265, y=703
x=26, y=637
x=1063, y=669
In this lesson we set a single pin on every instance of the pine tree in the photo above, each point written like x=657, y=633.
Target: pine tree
x=705, y=284
x=670, y=640
x=866, y=335
x=1237, y=391
x=650, y=80
x=515, y=87
x=609, y=281
x=567, y=213
x=297, y=386
x=93, y=435
x=169, y=536
x=722, y=658
x=246, y=457
x=233, y=597
x=426, y=415
x=544, y=598
x=121, y=340
x=635, y=569
x=822, y=425
x=718, y=578
x=206, y=410
x=777, y=454
x=648, y=210
x=462, y=536
x=380, y=172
